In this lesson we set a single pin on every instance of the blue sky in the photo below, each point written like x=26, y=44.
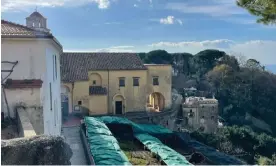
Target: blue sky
x=144, y=25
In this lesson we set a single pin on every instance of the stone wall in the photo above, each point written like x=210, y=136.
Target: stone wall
x=37, y=150
x=31, y=120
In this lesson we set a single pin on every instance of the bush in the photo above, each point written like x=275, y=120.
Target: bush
x=238, y=140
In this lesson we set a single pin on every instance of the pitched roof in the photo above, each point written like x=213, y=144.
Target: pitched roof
x=75, y=66
x=10, y=29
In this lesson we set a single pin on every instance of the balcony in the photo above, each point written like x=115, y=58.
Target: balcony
x=97, y=90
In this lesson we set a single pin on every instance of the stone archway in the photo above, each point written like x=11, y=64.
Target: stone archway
x=156, y=102
x=119, y=104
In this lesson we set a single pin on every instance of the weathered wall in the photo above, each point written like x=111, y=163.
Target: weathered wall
x=34, y=62
x=134, y=97
x=38, y=150
x=208, y=112
x=26, y=97
x=25, y=128
x=98, y=104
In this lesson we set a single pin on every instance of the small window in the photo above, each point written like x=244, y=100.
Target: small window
x=155, y=81
x=56, y=66
x=212, y=117
x=79, y=102
x=94, y=82
x=135, y=81
x=122, y=82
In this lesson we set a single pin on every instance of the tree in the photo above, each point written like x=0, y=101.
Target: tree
x=181, y=62
x=206, y=60
x=159, y=57
x=264, y=9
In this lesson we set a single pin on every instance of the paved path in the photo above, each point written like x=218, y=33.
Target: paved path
x=72, y=137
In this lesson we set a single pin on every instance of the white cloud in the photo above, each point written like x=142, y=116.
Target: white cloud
x=135, y=5
x=262, y=50
x=109, y=49
x=170, y=20
x=206, y=43
x=167, y=20
x=213, y=8
x=15, y=5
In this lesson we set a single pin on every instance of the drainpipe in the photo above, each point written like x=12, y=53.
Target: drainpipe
x=72, y=98
x=108, y=110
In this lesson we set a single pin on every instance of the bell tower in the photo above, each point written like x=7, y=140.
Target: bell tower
x=37, y=21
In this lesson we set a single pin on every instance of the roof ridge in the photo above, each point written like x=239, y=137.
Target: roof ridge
x=23, y=26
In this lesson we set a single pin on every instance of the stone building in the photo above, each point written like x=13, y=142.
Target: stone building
x=31, y=70
x=113, y=83
x=201, y=114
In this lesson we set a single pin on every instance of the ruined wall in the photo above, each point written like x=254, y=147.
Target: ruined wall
x=38, y=150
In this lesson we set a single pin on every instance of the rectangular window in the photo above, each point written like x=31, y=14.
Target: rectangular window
x=94, y=82
x=51, y=106
x=121, y=81
x=155, y=81
x=53, y=67
x=79, y=102
x=56, y=66
x=135, y=81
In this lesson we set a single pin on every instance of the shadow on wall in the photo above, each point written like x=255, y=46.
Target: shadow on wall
x=37, y=150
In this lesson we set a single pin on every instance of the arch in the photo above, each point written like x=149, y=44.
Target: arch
x=66, y=101
x=65, y=89
x=119, y=104
x=156, y=101
x=95, y=79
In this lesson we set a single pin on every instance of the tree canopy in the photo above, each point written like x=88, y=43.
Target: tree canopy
x=265, y=10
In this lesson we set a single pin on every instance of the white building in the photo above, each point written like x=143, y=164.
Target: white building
x=31, y=70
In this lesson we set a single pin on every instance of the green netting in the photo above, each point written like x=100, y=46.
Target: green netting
x=142, y=131
x=103, y=145
x=141, y=128
x=168, y=155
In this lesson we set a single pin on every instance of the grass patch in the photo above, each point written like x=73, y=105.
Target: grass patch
x=136, y=154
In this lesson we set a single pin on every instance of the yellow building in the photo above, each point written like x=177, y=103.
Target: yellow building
x=113, y=83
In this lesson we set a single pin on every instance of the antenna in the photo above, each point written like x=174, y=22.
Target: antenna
x=36, y=8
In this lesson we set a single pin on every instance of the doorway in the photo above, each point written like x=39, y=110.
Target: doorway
x=119, y=107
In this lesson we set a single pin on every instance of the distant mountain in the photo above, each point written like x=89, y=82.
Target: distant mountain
x=271, y=68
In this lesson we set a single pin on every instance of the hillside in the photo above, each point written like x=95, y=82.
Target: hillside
x=246, y=92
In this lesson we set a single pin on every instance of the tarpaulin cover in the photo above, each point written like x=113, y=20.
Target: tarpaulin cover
x=103, y=145
x=214, y=155
x=143, y=134
x=137, y=128
x=168, y=155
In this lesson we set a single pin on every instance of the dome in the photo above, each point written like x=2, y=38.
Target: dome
x=36, y=14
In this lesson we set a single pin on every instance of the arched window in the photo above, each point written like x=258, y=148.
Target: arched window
x=39, y=25
x=33, y=24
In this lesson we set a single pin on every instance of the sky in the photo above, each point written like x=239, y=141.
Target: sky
x=145, y=25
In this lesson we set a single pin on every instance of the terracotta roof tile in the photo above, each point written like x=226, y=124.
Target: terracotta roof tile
x=97, y=90
x=75, y=66
x=9, y=29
